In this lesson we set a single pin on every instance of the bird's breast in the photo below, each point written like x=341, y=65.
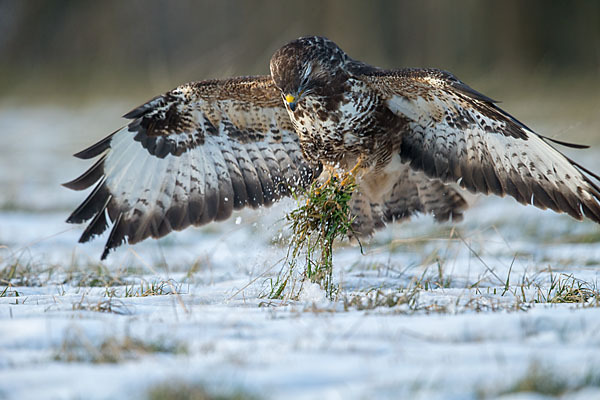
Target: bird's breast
x=334, y=126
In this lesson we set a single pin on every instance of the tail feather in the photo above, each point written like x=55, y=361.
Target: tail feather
x=412, y=194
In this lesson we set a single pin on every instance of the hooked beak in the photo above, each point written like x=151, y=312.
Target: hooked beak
x=291, y=101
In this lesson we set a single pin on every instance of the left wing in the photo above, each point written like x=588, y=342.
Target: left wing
x=457, y=134
x=189, y=157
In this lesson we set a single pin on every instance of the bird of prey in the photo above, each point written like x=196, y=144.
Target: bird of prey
x=204, y=149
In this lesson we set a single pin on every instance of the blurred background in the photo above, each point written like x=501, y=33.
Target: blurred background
x=82, y=48
x=70, y=68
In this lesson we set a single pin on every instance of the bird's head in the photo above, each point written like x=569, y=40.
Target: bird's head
x=305, y=66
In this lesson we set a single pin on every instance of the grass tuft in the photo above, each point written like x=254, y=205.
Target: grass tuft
x=108, y=305
x=380, y=298
x=95, y=275
x=537, y=380
x=33, y=273
x=546, y=382
x=8, y=291
x=78, y=348
x=568, y=289
x=152, y=288
x=323, y=216
x=19, y=273
x=186, y=391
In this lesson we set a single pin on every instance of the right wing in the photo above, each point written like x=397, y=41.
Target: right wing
x=455, y=133
x=189, y=157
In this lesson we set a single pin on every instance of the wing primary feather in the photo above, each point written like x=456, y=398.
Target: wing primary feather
x=223, y=178
x=116, y=237
x=466, y=176
x=277, y=178
x=151, y=203
x=162, y=226
x=168, y=216
x=143, y=109
x=493, y=182
x=251, y=179
x=98, y=224
x=240, y=197
x=177, y=213
x=469, y=91
x=263, y=173
x=91, y=205
x=567, y=206
x=211, y=194
x=584, y=169
x=286, y=167
x=542, y=199
x=197, y=187
x=88, y=178
x=187, y=220
x=96, y=149
x=566, y=144
x=592, y=211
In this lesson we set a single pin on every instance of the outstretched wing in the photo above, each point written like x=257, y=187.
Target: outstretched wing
x=189, y=157
x=455, y=133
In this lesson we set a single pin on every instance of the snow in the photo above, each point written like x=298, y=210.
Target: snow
x=462, y=337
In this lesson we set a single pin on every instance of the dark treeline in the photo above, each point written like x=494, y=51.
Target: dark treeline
x=179, y=40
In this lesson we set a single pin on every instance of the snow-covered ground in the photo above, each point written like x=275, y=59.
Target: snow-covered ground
x=485, y=309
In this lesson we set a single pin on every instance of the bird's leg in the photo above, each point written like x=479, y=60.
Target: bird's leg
x=330, y=171
x=317, y=190
x=344, y=178
x=352, y=173
x=341, y=180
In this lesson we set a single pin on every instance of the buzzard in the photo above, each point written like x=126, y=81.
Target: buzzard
x=204, y=149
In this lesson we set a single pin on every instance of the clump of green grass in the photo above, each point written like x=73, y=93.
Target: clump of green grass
x=587, y=237
x=546, y=382
x=560, y=289
x=108, y=305
x=19, y=273
x=78, y=348
x=537, y=380
x=323, y=216
x=153, y=288
x=379, y=298
x=186, y=391
x=568, y=289
x=26, y=271
x=8, y=292
x=95, y=275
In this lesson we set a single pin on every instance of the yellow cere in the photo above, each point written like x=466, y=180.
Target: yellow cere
x=289, y=98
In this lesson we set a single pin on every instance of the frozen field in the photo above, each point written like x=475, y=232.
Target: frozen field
x=503, y=305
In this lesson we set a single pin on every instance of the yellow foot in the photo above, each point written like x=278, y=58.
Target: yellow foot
x=344, y=178
x=326, y=182
x=332, y=175
x=352, y=173
x=318, y=190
